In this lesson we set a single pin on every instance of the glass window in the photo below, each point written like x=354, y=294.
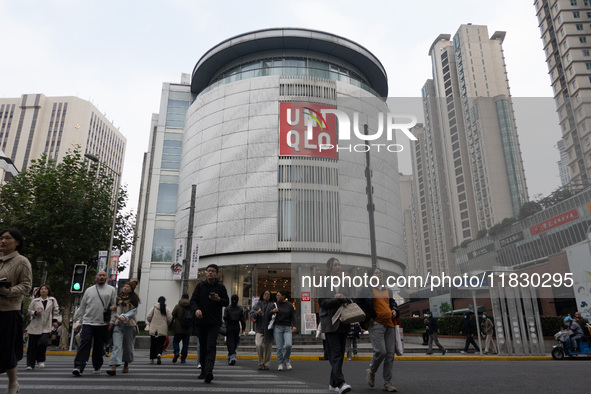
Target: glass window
x=167, y=195
x=582, y=40
x=585, y=52
x=576, y=14
x=162, y=245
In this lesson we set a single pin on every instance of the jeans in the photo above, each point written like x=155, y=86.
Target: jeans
x=383, y=342
x=36, y=349
x=123, y=342
x=184, y=338
x=87, y=335
x=208, y=335
x=351, y=346
x=282, y=335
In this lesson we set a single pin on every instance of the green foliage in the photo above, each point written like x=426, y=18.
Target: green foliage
x=410, y=324
x=481, y=234
x=444, y=307
x=465, y=243
x=497, y=228
x=550, y=325
x=65, y=213
x=451, y=325
x=558, y=195
x=528, y=209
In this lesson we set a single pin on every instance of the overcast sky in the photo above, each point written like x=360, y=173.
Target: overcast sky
x=117, y=54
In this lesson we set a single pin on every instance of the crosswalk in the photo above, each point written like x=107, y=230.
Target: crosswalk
x=56, y=377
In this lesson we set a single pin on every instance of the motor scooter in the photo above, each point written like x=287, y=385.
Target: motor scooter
x=562, y=350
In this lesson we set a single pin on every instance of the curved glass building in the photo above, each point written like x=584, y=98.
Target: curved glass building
x=259, y=160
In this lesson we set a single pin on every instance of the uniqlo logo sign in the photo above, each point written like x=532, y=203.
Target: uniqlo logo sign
x=305, y=131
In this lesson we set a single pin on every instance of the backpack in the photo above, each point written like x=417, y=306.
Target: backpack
x=187, y=318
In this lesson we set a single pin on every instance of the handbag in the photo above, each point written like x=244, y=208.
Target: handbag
x=272, y=322
x=106, y=312
x=399, y=348
x=352, y=313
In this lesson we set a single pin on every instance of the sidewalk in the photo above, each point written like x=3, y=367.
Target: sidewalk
x=315, y=353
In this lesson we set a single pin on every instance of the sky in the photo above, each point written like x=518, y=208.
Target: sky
x=117, y=54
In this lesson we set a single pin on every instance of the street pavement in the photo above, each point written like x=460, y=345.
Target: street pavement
x=309, y=377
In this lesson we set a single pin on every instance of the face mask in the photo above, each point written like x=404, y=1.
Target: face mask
x=484, y=316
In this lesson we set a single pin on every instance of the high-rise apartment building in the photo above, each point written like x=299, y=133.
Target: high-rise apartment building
x=35, y=124
x=565, y=26
x=563, y=168
x=467, y=161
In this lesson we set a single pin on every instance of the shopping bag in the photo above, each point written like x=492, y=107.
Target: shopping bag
x=399, y=340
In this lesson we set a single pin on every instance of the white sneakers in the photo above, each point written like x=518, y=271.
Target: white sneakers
x=280, y=367
x=288, y=366
x=29, y=368
x=345, y=388
x=41, y=365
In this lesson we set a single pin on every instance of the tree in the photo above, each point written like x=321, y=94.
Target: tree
x=558, y=195
x=444, y=308
x=65, y=212
x=528, y=209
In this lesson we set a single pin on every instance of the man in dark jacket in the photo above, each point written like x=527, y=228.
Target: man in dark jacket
x=469, y=329
x=181, y=334
x=207, y=302
x=235, y=322
x=432, y=330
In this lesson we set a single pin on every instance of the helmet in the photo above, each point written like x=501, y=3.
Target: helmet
x=568, y=319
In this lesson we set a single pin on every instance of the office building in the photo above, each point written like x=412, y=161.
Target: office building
x=34, y=124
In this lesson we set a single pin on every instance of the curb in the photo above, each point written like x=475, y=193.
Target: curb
x=365, y=358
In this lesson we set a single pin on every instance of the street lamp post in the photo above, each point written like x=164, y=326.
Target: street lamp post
x=96, y=160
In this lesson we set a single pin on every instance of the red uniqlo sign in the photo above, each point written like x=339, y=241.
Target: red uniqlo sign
x=305, y=296
x=305, y=131
x=556, y=221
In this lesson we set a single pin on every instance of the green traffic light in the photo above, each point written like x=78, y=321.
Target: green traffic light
x=76, y=286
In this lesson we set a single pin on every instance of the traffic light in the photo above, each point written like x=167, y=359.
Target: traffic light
x=78, y=277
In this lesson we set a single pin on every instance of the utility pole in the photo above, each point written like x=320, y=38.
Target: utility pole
x=370, y=205
x=187, y=261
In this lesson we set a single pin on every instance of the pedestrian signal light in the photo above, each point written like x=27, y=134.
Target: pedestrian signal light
x=78, y=277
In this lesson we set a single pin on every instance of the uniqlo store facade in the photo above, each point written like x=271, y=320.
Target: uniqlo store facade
x=267, y=133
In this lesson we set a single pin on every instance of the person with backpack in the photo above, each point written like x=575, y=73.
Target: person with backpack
x=234, y=318
x=182, y=322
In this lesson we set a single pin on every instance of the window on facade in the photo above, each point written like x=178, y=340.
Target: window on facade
x=162, y=245
x=167, y=197
x=576, y=14
x=582, y=40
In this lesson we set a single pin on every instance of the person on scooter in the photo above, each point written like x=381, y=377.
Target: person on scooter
x=577, y=333
x=582, y=322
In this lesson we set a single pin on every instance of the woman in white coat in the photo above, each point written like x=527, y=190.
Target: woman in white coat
x=159, y=317
x=43, y=311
